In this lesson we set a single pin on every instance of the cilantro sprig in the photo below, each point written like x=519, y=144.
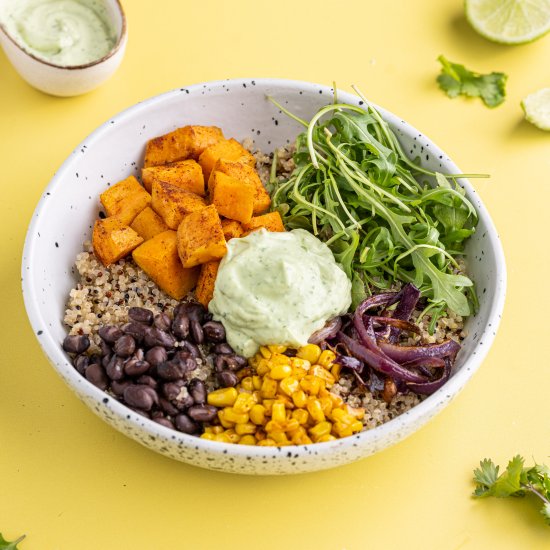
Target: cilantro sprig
x=457, y=80
x=7, y=545
x=515, y=481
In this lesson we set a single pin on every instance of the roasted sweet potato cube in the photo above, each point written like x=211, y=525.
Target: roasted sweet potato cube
x=233, y=199
x=228, y=149
x=148, y=223
x=200, y=237
x=207, y=280
x=158, y=257
x=243, y=172
x=231, y=229
x=198, y=138
x=186, y=174
x=125, y=200
x=112, y=240
x=182, y=143
x=271, y=222
x=172, y=203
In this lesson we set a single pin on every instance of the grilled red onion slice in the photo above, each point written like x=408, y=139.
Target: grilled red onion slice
x=330, y=330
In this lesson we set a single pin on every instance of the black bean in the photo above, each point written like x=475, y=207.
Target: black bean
x=202, y=413
x=153, y=393
x=125, y=346
x=156, y=355
x=147, y=380
x=234, y=362
x=94, y=358
x=106, y=359
x=240, y=360
x=115, y=368
x=137, y=396
x=118, y=386
x=140, y=412
x=141, y=315
x=219, y=363
x=155, y=337
x=167, y=407
x=162, y=321
x=184, y=360
x=164, y=422
x=197, y=390
x=96, y=375
x=197, y=332
x=139, y=354
x=105, y=348
x=214, y=331
x=207, y=317
x=185, y=424
x=76, y=344
x=136, y=330
x=110, y=334
x=170, y=370
x=177, y=394
x=180, y=327
x=227, y=378
x=133, y=367
x=81, y=363
x=223, y=349
x=192, y=349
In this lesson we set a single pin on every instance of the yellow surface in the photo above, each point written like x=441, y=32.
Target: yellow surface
x=70, y=482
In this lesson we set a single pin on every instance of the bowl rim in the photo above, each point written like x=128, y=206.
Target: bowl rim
x=58, y=358
x=108, y=55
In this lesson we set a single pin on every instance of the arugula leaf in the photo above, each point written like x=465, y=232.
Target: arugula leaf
x=457, y=80
x=6, y=545
x=515, y=481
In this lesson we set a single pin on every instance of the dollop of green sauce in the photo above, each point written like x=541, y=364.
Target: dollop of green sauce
x=62, y=32
x=277, y=288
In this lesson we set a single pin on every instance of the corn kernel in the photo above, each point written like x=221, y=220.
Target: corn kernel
x=269, y=388
x=296, y=435
x=301, y=415
x=247, y=440
x=320, y=429
x=224, y=397
x=223, y=421
x=310, y=352
x=260, y=434
x=266, y=354
x=323, y=438
x=268, y=404
x=335, y=370
x=297, y=362
x=263, y=367
x=257, y=414
x=245, y=429
x=232, y=435
x=337, y=401
x=299, y=398
x=289, y=385
x=315, y=410
x=280, y=438
x=247, y=384
x=326, y=358
x=231, y=415
x=277, y=349
x=278, y=372
x=267, y=442
x=208, y=430
x=290, y=425
x=326, y=404
x=356, y=412
x=278, y=413
x=256, y=382
x=357, y=426
x=244, y=402
x=273, y=426
x=311, y=384
x=217, y=429
x=323, y=374
x=223, y=438
x=299, y=372
x=208, y=436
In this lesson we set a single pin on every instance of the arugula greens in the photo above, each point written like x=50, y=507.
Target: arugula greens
x=6, y=545
x=356, y=189
x=515, y=481
x=456, y=80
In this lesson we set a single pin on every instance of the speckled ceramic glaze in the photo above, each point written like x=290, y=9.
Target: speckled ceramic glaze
x=63, y=220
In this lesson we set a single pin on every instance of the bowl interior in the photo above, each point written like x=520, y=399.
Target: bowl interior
x=64, y=217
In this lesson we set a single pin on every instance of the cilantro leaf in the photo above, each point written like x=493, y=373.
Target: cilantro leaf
x=508, y=484
x=6, y=545
x=457, y=80
x=485, y=476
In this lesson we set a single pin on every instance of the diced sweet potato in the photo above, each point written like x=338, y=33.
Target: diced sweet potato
x=200, y=237
x=186, y=142
x=112, y=240
x=228, y=149
x=271, y=222
x=207, y=280
x=125, y=200
x=158, y=257
x=233, y=199
x=231, y=229
x=186, y=174
x=148, y=223
x=173, y=203
x=243, y=172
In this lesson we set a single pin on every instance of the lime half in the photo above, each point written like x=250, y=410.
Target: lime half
x=537, y=108
x=509, y=21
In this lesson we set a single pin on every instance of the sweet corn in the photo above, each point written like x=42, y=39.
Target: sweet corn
x=282, y=400
x=224, y=397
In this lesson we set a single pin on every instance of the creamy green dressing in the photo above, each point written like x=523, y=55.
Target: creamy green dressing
x=62, y=32
x=277, y=288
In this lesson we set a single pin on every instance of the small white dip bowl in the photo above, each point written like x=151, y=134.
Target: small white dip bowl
x=72, y=80
x=63, y=221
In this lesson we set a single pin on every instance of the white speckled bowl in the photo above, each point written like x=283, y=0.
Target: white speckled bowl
x=74, y=80
x=63, y=220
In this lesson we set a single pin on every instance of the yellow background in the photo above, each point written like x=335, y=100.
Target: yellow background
x=70, y=482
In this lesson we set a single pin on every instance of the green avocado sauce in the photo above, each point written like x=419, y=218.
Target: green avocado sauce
x=62, y=32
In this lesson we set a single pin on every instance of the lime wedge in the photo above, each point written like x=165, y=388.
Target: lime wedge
x=536, y=107
x=509, y=21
